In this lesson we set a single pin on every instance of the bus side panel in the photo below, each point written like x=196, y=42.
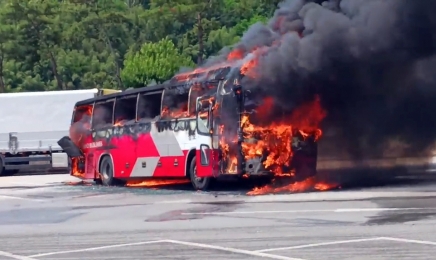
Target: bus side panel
x=168, y=137
x=148, y=160
x=90, y=166
x=90, y=156
x=174, y=165
x=204, y=161
x=124, y=155
x=97, y=154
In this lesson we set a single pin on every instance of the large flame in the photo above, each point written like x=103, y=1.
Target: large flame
x=275, y=140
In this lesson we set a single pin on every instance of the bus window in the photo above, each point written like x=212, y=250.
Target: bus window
x=149, y=106
x=203, y=115
x=103, y=114
x=81, y=123
x=198, y=90
x=82, y=114
x=125, y=109
x=175, y=103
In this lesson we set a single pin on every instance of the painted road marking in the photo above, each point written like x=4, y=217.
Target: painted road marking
x=178, y=242
x=413, y=241
x=185, y=201
x=342, y=210
x=28, y=183
x=17, y=198
x=258, y=253
x=232, y=250
x=321, y=244
x=338, y=196
x=98, y=248
x=17, y=257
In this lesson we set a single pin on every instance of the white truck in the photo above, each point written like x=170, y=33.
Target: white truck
x=31, y=123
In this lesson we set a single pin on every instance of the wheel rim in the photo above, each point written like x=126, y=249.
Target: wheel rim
x=106, y=170
x=198, y=180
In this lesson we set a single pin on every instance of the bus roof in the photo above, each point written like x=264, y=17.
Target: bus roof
x=161, y=87
x=121, y=94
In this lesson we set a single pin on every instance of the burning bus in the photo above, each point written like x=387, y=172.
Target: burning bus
x=201, y=125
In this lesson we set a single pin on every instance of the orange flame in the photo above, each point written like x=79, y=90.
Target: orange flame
x=75, y=171
x=274, y=140
x=156, y=182
x=236, y=54
x=306, y=185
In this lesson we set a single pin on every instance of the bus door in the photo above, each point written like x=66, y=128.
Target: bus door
x=207, y=150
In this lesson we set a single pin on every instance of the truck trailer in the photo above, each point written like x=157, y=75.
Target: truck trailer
x=31, y=123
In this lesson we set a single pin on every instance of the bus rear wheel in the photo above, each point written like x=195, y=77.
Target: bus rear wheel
x=107, y=173
x=199, y=183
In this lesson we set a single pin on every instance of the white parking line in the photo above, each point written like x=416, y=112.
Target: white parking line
x=98, y=248
x=232, y=250
x=17, y=257
x=26, y=183
x=321, y=244
x=422, y=242
x=341, y=210
x=17, y=198
x=258, y=253
x=186, y=201
x=191, y=244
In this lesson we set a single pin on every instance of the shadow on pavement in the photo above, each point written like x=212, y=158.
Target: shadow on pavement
x=346, y=180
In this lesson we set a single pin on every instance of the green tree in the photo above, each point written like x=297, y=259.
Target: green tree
x=77, y=44
x=37, y=24
x=154, y=62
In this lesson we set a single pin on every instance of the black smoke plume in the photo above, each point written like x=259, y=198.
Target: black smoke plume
x=372, y=63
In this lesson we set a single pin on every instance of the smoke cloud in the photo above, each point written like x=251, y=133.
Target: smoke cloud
x=371, y=62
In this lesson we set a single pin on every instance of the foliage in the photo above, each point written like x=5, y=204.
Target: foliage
x=79, y=44
x=154, y=62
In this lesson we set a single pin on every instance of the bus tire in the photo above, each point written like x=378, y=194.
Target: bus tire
x=198, y=183
x=107, y=173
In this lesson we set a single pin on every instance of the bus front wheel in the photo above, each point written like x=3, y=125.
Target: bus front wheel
x=199, y=183
x=107, y=173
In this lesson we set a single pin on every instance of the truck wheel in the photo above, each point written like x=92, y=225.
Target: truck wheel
x=2, y=169
x=107, y=173
x=198, y=183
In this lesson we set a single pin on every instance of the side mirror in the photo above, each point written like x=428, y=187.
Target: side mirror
x=210, y=119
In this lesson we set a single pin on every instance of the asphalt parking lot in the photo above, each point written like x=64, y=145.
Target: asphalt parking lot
x=42, y=217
